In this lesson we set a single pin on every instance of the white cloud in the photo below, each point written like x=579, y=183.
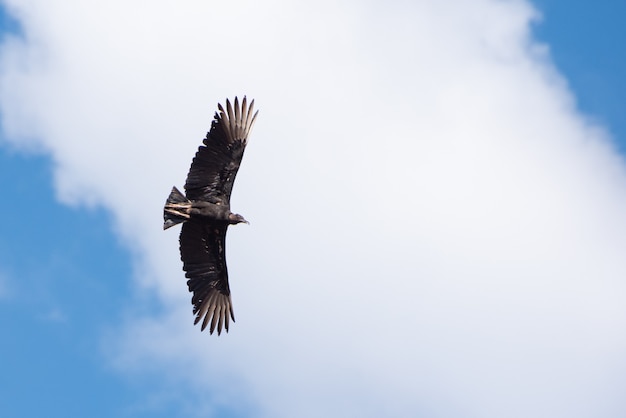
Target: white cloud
x=436, y=230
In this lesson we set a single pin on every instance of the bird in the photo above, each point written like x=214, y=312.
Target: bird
x=204, y=211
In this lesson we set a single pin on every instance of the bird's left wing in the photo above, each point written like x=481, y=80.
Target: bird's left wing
x=202, y=250
x=216, y=163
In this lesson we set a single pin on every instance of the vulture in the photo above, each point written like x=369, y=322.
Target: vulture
x=204, y=211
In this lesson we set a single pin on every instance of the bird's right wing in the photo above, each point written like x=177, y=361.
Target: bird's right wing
x=216, y=163
x=202, y=250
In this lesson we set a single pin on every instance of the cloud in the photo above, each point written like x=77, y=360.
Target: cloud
x=435, y=229
x=54, y=315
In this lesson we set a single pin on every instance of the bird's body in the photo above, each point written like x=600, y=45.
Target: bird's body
x=205, y=213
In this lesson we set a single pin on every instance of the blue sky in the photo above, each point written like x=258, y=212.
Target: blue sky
x=57, y=262
x=66, y=276
x=45, y=247
x=586, y=46
x=45, y=256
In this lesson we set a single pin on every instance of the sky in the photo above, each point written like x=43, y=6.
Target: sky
x=435, y=189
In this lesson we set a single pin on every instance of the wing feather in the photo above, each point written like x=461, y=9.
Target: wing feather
x=238, y=113
x=213, y=169
x=202, y=250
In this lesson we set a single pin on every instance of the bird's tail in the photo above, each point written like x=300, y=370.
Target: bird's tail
x=176, y=209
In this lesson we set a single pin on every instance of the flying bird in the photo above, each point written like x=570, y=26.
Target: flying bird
x=205, y=213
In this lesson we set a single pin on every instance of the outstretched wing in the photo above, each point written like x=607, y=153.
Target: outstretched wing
x=216, y=163
x=202, y=250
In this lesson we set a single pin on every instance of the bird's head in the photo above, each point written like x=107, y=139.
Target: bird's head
x=235, y=218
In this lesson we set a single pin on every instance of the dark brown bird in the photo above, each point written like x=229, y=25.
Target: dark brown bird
x=205, y=213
